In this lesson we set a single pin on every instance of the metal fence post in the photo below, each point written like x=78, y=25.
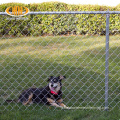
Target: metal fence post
x=107, y=62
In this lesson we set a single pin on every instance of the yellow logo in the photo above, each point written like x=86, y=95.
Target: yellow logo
x=17, y=11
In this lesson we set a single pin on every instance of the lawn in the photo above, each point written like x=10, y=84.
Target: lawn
x=28, y=62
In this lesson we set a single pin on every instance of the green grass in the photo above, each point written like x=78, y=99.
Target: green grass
x=28, y=62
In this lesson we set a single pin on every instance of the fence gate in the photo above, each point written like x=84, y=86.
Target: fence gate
x=83, y=46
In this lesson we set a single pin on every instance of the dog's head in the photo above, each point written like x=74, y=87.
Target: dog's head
x=55, y=83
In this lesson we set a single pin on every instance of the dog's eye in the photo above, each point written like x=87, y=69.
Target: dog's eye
x=54, y=80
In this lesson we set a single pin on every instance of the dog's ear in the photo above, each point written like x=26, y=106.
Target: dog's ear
x=50, y=78
x=61, y=77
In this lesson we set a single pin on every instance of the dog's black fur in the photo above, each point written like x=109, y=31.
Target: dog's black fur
x=50, y=94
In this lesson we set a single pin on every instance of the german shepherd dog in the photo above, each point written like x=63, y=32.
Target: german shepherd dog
x=50, y=94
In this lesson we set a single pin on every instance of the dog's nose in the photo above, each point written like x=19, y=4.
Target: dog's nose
x=52, y=85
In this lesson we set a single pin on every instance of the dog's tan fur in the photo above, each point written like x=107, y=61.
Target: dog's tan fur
x=53, y=103
x=29, y=100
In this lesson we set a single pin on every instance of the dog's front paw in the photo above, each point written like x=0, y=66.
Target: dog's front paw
x=65, y=107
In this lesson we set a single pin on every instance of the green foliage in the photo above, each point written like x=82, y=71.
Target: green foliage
x=58, y=24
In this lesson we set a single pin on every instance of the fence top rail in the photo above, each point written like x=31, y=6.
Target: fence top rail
x=69, y=12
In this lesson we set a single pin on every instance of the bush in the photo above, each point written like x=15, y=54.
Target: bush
x=59, y=24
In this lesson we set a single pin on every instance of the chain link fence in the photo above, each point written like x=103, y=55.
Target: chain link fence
x=83, y=46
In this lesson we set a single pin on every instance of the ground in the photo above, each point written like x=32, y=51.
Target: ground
x=29, y=61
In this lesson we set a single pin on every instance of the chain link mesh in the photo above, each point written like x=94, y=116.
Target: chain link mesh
x=62, y=44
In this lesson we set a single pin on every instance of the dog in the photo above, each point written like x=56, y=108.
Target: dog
x=49, y=95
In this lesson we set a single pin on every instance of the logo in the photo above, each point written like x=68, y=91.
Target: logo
x=17, y=11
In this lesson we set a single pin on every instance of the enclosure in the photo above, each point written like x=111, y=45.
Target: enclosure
x=83, y=46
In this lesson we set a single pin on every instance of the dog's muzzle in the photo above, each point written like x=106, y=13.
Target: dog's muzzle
x=54, y=85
